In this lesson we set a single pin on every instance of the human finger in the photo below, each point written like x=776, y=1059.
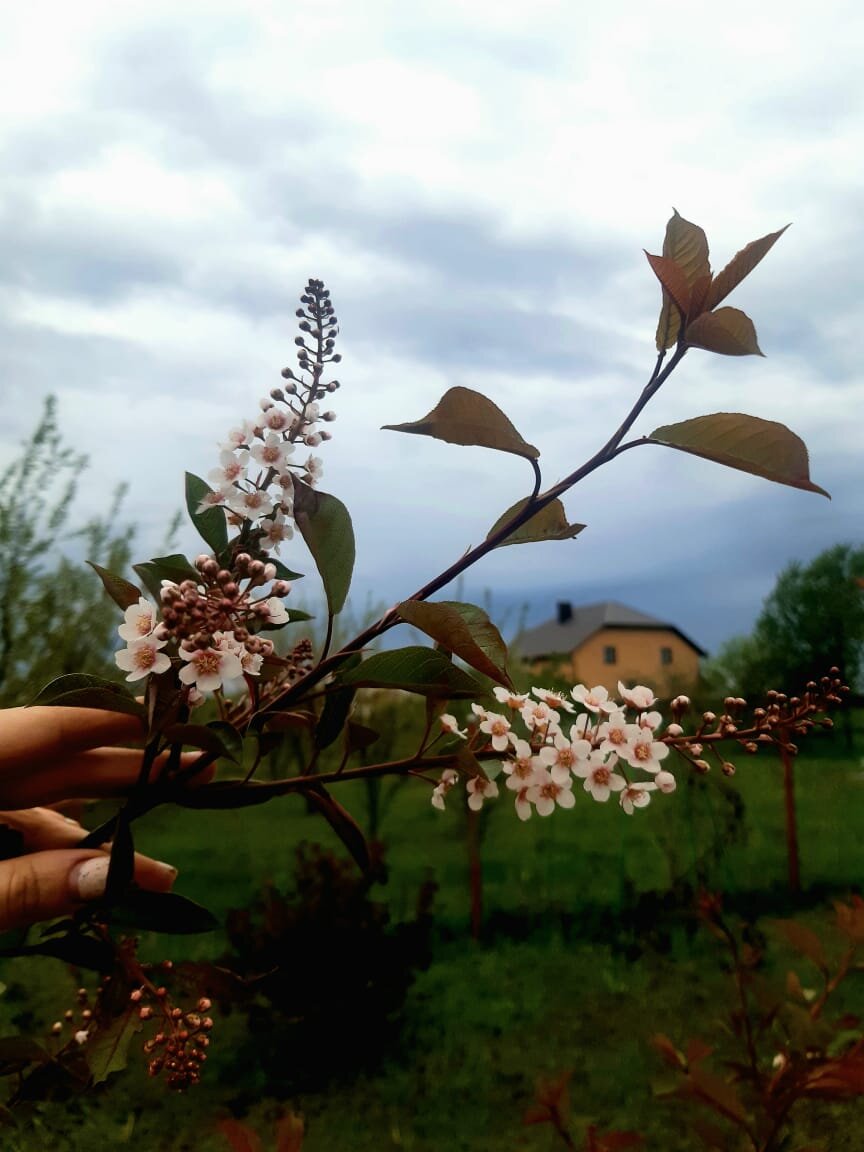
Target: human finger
x=45, y=885
x=31, y=737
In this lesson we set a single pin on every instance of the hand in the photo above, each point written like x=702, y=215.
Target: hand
x=49, y=755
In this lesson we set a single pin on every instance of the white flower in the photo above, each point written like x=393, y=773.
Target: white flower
x=450, y=725
x=636, y=796
x=232, y=467
x=523, y=804
x=215, y=498
x=553, y=699
x=277, y=531
x=562, y=755
x=140, y=620
x=642, y=750
x=638, y=697
x=207, y=668
x=513, y=700
x=250, y=503
x=273, y=611
x=546, y=792
x=478, y=789
x=595, y=699
x=273, y=453
x=520, y=770
x=142, y=657
x=237, y=437
x=278, y=419
x=651, y=720
x=539, y=716
x=449, y=779
x=314, y=469
x=613, y=733
x=600, y=780
x=479, y=710
x=497, y=726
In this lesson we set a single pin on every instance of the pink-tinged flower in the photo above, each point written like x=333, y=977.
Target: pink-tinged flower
x=546, y=792
x=215, y=498
x=595, y=699
x=523, y=804
x=553, y=699
x=250, y=503
x=140, y=620
x=273, y=452
x=562, y=756
x=651, y=720
x=250, y=661
x=232, y=467
x=497, y=726
x=539, y=716
x=665, y=781
x=278, y=419
x=521, y=769
x=600, y=779
x=276, y=531
x=638, y=697
x=613, y=733
x=272, y=611
x=449, y=779
x=636, y=796
x=642, y=750
x=241, y=435
x=479, y=788
x=479, y=710
x=450, y=725
x=194, y=698
x=141, y=657
x=514, y=700
x=208, y=668
x=314, y=469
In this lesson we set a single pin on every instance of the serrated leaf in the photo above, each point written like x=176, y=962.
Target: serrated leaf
x=107, y=1050
x=121, y=591
x=78, y=690
x=343, y=824
x=746, y=443
x=550, y=523
x=728, y=331
x=687, y=245
x=210, y=524
x=741, y=265
x=161, y=912
x=174, y=567
x=207, y=737
x=673, y=280
x=463, y=416
x=326, y=527
x=465, y=630
x=414, y=669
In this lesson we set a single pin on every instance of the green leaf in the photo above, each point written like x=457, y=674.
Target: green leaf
x=343, y=824
x=210, y=524
x=283, y=572
x=175, y=568
x=161, y=912
x=741, y=265
x=463, y=416
x=122, y=866
x=326, y=527
x=464, y=630
x=221, y=741
x=337, y=706
x=82, y=951
x=78, y=690
x=414, y=669
x=687, y=245
x=727, y=331
x=121, y=591
x=107, y=1050
x=747, y=443
x=548, y=524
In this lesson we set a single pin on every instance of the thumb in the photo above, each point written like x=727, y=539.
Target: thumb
x=44, y=885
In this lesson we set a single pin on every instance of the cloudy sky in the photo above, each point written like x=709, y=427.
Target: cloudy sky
x=475, y=183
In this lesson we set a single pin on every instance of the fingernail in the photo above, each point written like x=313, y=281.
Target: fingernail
x=87, y=880
x=169, y=869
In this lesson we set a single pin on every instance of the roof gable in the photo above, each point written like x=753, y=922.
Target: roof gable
x=554, y=638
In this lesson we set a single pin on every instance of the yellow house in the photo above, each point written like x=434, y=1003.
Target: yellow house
x=607, y=642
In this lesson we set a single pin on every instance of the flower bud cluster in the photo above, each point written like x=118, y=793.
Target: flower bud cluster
x=178, y=1047
x=611, y=747
x=255, y=478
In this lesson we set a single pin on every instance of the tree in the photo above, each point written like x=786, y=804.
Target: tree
x=54, y=616
x=812, y=621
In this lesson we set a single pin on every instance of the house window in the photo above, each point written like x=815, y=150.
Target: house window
x=665, y=655
x=610, y=654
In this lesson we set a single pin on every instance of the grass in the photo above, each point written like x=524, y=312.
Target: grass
x=559, y=980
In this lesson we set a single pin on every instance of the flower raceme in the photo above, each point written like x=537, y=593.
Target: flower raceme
x=610, y=748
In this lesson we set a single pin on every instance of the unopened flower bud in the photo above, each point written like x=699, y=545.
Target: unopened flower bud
x=135, y=995
x=728, y=768
x=709, y=717
x=56, y=1028
x=81, y=1037
x=277, y=394
x=201, y=560
x=145, y=1012
x=270, y=572
x=702, y=766
x=313, y=440
x=674, y=730
x=333, y=386
x=281, y=588
x=329, y=417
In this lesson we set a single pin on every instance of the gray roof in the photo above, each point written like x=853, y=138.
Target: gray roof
x=554, y=639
